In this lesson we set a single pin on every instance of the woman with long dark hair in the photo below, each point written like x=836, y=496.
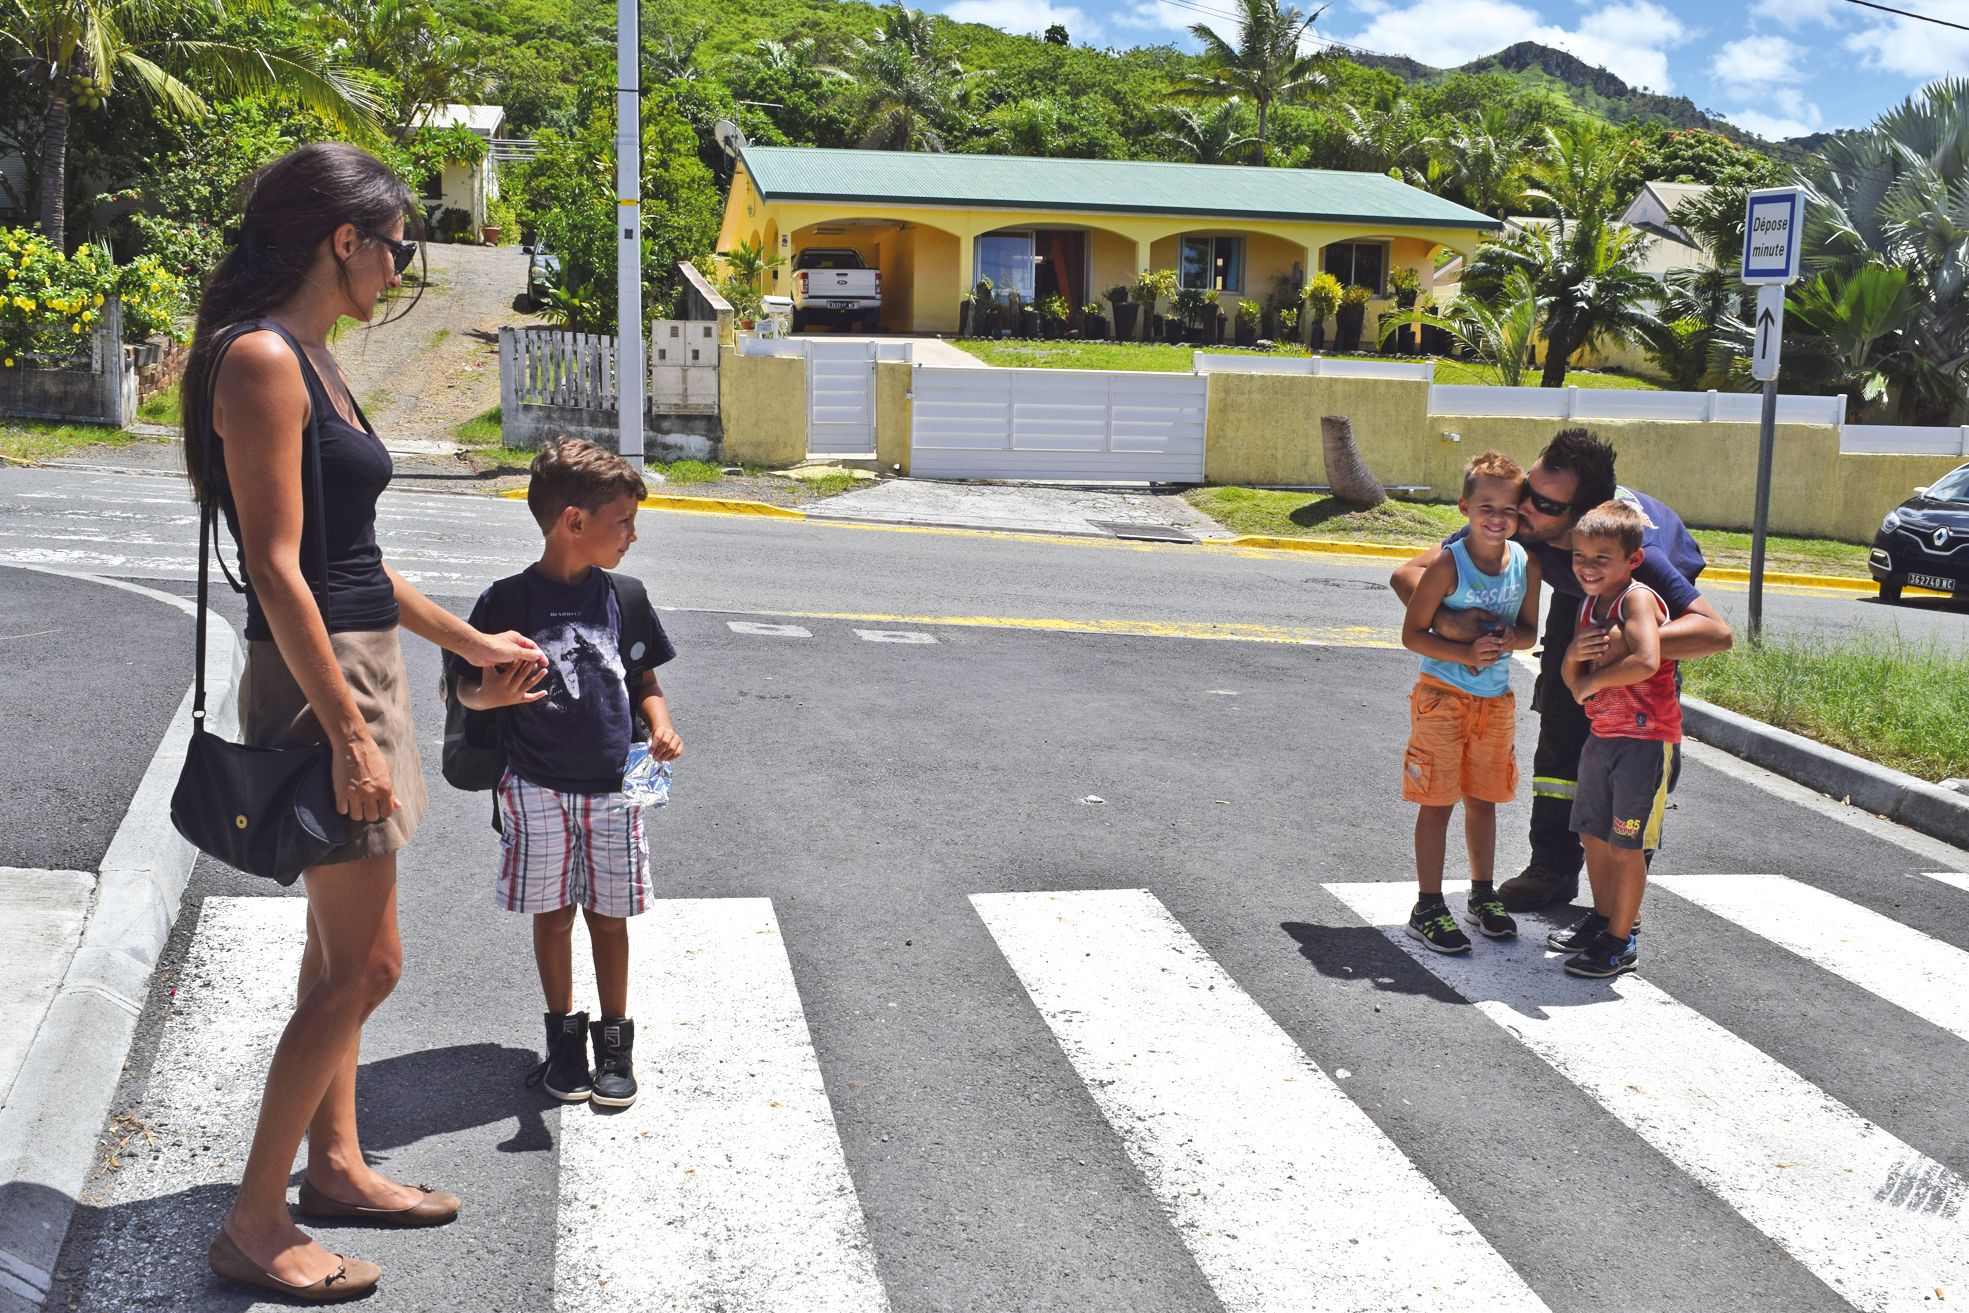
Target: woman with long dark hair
x=322, y=237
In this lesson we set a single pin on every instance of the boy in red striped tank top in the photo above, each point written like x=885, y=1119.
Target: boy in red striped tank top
x=1636, y=716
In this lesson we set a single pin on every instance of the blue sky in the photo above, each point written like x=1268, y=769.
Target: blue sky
x=1780, y=68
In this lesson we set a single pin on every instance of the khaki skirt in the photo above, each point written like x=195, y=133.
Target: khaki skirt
x=274, y=713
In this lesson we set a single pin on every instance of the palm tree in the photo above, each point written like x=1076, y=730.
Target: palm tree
x=1897, y=195
x=1390, y=141
x=1211, y=136
x=1501, y=331
x=1586, y=281
x=1577, y=172
x=1857, y=339
x=1694, y=344
x=1487, y=163
x=1268, y=65
x=910, y=83
x=406, y=44
x=89, y=45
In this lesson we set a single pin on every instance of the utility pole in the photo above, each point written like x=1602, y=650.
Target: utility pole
x=629, y=371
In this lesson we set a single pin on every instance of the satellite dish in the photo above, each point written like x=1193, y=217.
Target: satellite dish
x=726, y=133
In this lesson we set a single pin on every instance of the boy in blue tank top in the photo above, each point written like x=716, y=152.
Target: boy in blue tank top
x=1463, y=716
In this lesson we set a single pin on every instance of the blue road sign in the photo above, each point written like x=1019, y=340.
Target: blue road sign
x=1773, y=234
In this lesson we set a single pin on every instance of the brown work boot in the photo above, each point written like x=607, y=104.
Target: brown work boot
x=1537, y=886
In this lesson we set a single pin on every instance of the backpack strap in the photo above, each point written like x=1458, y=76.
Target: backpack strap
x=637, y=637
x=505, y=605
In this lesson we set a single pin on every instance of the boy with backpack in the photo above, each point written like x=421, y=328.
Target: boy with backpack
x=555, y=742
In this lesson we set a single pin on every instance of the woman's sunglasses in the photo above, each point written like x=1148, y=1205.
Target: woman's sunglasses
x=1542, y=504
x=402, y=252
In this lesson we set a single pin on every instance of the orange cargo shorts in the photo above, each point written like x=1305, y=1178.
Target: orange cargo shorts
x=1459, y=746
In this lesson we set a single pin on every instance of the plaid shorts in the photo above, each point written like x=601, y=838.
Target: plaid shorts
x=570, y=849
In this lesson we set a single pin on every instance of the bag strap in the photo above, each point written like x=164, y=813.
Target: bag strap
x=208, y=516
x=505, y=608
x=632, y=604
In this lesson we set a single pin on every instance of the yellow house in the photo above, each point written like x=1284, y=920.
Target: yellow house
x=934, y=224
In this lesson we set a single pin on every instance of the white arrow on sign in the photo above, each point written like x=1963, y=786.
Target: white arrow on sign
x=1770, y=332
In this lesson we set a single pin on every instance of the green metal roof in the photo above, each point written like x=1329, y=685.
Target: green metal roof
x=799, y=173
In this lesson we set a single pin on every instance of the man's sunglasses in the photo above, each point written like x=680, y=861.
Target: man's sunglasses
x=1542, y=504
x=402, y=252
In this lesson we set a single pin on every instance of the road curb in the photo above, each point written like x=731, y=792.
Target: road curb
x=63, y=1091
x=1928, y=808
x=714, y=505
x=1329, y=546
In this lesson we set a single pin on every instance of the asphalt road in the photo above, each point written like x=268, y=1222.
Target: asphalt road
x=142, y=527
x=1012, y=1128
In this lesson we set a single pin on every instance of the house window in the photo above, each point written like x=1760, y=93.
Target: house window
x=1212, y=263
x=1006, y=259
x=434, y=185
x=1362, y=263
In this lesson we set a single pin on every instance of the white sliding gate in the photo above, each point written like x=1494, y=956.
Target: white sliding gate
x=1056, y=425
x=840, y=397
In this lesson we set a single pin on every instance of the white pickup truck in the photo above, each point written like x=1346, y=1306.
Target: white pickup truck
x=834, y=284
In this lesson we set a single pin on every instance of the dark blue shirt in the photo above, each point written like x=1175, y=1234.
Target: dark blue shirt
x=577, y=738
x=1670, y=565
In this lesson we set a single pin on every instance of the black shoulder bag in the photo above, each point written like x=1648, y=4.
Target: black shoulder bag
x=264, y=811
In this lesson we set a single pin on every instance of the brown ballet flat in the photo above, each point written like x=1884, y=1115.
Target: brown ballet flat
x=352, y=1280
x=434, y=1209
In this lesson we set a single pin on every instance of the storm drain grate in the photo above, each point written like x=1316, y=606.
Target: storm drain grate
x=1150, y=533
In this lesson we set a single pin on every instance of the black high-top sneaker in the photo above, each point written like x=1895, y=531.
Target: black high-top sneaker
x=565, y=1072
x=615, y=1067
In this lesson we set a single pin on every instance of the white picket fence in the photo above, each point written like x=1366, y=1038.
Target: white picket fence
x=546, y=367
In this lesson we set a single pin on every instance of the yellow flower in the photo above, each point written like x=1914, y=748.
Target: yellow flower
x=99, y=299
x=10, y=362
x=75, y=328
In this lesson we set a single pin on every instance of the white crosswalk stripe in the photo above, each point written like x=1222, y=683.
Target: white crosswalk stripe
x=1283, y=1189
x=761, y=629
x=1897, y=962
x=1876, y=1220
x=894, y=636
x=1960, y=879
x=724, y=1187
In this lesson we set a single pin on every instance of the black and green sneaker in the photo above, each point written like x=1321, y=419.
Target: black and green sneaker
x=1485, y=911
x=1433, y=925
x=1577, y=937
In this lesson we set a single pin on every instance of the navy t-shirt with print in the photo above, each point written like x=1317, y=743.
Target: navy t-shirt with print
x=577, y=738
x=1671, y=564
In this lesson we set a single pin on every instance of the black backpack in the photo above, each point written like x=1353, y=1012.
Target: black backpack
x=474, y=755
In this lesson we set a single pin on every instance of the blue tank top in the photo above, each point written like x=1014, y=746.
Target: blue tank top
x=1503, y=595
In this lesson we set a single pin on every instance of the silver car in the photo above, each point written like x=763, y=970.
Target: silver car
x=543, y=270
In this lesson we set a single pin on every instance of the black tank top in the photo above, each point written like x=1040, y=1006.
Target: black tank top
x=355, y=469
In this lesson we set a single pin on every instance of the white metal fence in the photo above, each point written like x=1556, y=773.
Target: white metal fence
x=1057, y=425
x=577, y=371
x=1899, y=438
x=1312, y=366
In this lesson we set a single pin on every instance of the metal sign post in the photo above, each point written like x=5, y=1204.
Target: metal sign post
x=1773, y=223
x=629, y=372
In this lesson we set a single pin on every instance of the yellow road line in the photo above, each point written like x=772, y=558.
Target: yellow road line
x=1362, y=636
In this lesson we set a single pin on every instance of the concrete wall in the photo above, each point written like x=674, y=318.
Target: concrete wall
x=665, y=437
x=763, y=400
x=1264, y=429
x=892, y=415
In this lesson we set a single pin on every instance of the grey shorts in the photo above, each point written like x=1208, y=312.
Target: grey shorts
x=1623, y=790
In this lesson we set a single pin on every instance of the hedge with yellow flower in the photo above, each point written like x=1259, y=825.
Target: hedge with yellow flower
x=50, y=301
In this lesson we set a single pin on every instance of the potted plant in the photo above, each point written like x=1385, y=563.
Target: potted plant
x=1406, y=284
x=984, y=309
x=1436, y=340
x=1288, y=323
x=1350, y=316
x=1188, y=307
x=1054, y=313
x=1213, y=317
x=964, y=315
x=1124, y=312
x=1023, y=318
x=1248, y=313
x=1093, y=324
x=1147, y=288
x=1322, y=298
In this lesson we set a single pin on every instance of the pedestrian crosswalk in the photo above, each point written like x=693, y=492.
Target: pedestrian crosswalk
x=728, y=1185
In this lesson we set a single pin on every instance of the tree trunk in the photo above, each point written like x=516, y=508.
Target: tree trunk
x=1264, y=146
x=1346, y=473
x=1557, y=352
x=54, y=165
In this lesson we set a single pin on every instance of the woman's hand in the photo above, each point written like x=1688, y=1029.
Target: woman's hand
x=363, y=791
x=507, y=686
x=509, y=648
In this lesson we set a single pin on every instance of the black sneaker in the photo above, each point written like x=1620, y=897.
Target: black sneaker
x=1578, y=937
x=1486, y=912
x=1434, y=926
x=1605, y=957
x=565, y=1072
x=1538, y=886
x=615, y=1067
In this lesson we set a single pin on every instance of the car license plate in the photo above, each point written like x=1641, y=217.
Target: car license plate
x=1939, y=583
x=840, y=305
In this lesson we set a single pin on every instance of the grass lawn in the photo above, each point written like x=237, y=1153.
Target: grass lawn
x=160, y=407
x=1316, y=515
x=38, y=440
x=1163, y=358
x=1902, y=704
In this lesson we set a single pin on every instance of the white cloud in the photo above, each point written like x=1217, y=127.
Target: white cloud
x=1743, y=67
x=1445, y=33
x=1771, y=127
x=1796, y=13
x=1911, y=48
x=1631, y=38
x=1025, y=17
